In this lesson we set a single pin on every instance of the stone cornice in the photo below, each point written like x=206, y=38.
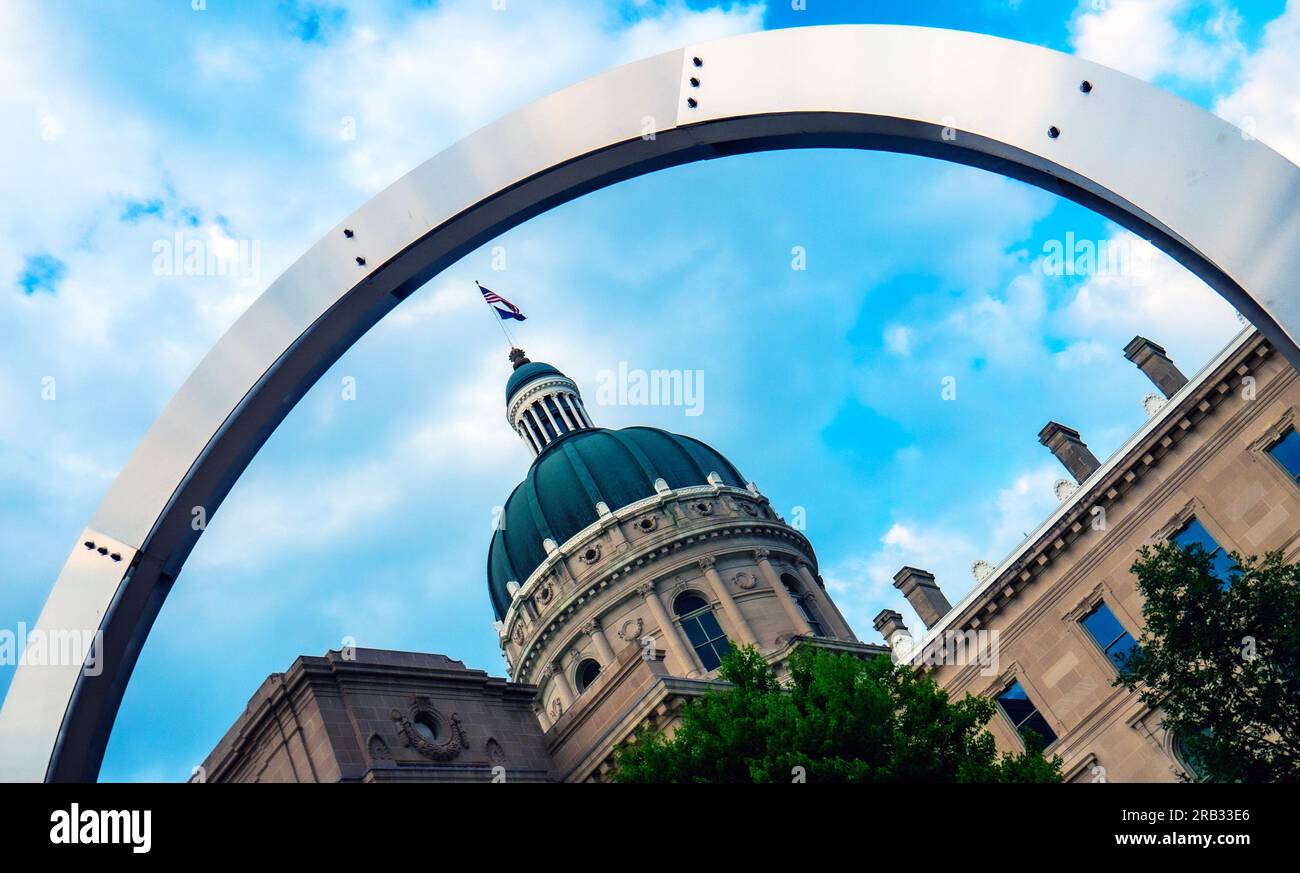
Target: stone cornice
x=575, y=544
x=1107, y=486
x=570, y=608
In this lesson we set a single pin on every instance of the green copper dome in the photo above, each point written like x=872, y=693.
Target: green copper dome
x=527, y=373
x=558, y=497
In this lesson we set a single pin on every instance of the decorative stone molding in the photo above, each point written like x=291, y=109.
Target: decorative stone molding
x=645, y=589
x=378, y=749
x=630, y=631
x=706, y=563
x=545, y=594
x=647, y=523
x=762, y=554
x=591, y=627
x=436, y=750
x=1064, y=489
x=743, y=580
x=702, y=507
x=591, y=554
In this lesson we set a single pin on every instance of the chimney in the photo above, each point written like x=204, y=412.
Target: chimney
x=1152, y=360
x=1069, y=450
x=891, y=627
x=924, y=596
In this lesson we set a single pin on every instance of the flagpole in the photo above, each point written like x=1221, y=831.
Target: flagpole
x=501, y=323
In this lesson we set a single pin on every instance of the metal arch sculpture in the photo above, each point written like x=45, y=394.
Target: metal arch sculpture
x=1224, y=205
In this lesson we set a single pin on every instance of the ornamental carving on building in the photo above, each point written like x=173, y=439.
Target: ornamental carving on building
x=545, y=593
x=744, y=580
x=441, y=739
x=647, y=523
x=591, y=554
x=631, y=630
x=703, y=507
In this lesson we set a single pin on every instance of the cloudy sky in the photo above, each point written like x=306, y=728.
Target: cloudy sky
x=263, y=124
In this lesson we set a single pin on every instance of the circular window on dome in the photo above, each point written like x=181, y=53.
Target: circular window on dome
x=427, y=726
x=648, y=523
x=704, y=508
x=588, y=670
x=591, y=555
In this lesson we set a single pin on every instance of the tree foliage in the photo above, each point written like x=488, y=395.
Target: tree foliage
x=840, y=719
x=1220, y=655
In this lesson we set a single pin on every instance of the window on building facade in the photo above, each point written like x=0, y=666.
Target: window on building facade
x=587, y=672
x=1194, y=533
x=1106, y=630
x=1286, y=452
x=801, y=602
x=1024, y=715
x=702, y=629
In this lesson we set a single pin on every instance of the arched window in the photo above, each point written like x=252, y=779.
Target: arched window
x=587, y=672
x=702, y=629
x=792, y=585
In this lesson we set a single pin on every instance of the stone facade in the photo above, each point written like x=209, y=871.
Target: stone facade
x=379, y=716
x=1202, y=455
x=622, y=624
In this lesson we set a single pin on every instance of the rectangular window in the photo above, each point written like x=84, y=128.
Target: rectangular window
x=1024, y=715
x=1102, y=625
x=1286, y=452
x=1194, y=533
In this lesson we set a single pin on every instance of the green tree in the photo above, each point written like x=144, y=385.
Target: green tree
x=1220, y=656
x=840, y=719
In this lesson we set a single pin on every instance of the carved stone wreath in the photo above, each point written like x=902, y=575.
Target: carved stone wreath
x=545, y=593
x=631, y=630
x=518, y=634
x=591, y=554
x=437, y=750
x=703, y=507
x=744, y=580
x=648, y=523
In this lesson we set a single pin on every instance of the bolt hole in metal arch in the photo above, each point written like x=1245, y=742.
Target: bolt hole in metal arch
x=861, y=86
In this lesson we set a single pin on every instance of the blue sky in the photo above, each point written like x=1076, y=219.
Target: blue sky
x=265, y=123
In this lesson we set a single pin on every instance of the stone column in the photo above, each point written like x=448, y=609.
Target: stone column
x=561, y=685
x=825, y=601
x=739, y=626
x=597, y=634
x=762, y=558
x=682, y=655
x=542, y=717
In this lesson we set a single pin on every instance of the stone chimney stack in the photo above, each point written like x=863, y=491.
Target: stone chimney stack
x=920, y=590
x=1152, y=360
x=1071, y=451
x=891, y=627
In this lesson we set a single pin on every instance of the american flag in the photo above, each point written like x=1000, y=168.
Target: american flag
x=502, y=306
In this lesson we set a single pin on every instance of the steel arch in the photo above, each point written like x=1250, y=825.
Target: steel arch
x=1224, y=205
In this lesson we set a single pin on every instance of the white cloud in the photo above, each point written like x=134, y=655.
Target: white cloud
x=1153, y=38
x=414, y=85
x=1163, y=301
x=898, y=340
x=1266, y=102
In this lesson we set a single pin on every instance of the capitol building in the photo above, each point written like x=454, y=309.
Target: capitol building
x=627, y=562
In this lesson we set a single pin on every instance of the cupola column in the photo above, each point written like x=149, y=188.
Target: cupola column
x=681, y=656
x=561, y=685
x=825, y=601
x=762, y=558
x=730, y=610
x=597, y=634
